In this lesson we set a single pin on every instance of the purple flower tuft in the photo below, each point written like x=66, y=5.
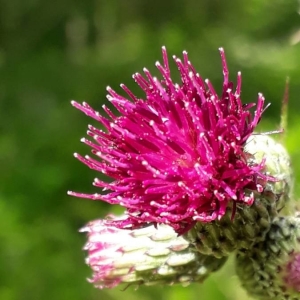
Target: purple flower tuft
x=177, y=156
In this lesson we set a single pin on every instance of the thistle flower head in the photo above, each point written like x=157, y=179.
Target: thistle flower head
x=177, y=156
x=145, y=256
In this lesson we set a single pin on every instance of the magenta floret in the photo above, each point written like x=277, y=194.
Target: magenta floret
x=292, y=270
x=177, y=156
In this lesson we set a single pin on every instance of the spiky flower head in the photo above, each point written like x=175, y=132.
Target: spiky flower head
x=177, y=156
x=145, y=256
x=271, y=269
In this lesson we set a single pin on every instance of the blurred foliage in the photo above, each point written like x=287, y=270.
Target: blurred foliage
x=55, y=51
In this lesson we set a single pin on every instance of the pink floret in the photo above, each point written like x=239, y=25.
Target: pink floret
x=292, y=279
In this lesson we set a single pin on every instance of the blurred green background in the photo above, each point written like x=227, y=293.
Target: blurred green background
x=55, y=51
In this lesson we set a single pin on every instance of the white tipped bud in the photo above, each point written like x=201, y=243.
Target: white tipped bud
x=144, y=256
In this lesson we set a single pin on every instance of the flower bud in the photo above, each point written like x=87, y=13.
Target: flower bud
x=146, y=256
x=271, y=269
x=278, y=165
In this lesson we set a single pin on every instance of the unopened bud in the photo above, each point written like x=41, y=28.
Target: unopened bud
x=146, y=256
x=271, y=269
